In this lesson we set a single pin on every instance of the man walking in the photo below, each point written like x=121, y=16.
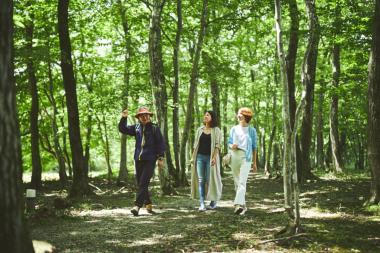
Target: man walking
x=150, y=147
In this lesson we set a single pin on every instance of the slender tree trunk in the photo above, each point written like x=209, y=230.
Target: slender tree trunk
x=291, y=57
x=276, y=165
x=373, y=110
x=158, y=85
x=286, y=119
x=36, y=182
x=123, y=172
x=334, y=133
x=80, y=186
x=267, y=164
x=107, y=150
x=57, y=148
x=193, y=85
x=64, y=149
x=14, y=234
x=176, y=85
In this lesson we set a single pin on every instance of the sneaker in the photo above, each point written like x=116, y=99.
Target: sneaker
x=149, y=208
x=135, y=210
x=238, y=210
x=212, y=205
x=244, y=210
x=202, y=208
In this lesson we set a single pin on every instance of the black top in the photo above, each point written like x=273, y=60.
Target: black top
x=205, y=144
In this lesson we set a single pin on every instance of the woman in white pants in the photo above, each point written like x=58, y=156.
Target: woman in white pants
x=243, y=142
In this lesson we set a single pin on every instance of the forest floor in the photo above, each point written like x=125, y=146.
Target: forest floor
x=333, y=219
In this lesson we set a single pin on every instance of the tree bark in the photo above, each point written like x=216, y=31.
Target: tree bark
x=291, y=57
x=286, y=121
x=14, y=234
x=123, y=172
x=57, y=148
x=158, y=85
x=193, y=85
x=267, y=164
x=334, y=133
x=80, y=186
x=36, y=182
x=307, y=112
x=373, y=110
x=176, y=145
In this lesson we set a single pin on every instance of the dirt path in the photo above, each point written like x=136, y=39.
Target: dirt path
x=332, y=220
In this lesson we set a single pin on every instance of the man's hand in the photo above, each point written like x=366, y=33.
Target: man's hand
x=125, y=113
x=254, y=168
x=192, y=161
x=160, y=164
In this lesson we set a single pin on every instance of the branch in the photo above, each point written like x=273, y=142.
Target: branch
x=147, y=4
x=284, y=238
x=47, y=148
x=171, y=42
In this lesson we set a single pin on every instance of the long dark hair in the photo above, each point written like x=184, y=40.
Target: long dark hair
x=214, y=120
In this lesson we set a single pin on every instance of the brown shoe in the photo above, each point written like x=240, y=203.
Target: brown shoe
x=149, y=208
x=135, y=210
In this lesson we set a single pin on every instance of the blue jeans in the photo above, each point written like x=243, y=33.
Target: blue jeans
x=203, y=170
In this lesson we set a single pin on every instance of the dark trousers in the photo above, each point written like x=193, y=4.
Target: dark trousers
x=143, y=173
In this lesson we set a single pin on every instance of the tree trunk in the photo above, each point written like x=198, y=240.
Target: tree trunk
x=307, y=113
x=158, y=85
x=373, y=110
x=123, y=172
x=57, y=148
x=291, y=57
x=80, y=186
x=193, y=85
x=286, y=119
x=276, y=165
x=176, y=145
x=14, y=234
x=334, y=133
x=267, y=164
x=36, y=182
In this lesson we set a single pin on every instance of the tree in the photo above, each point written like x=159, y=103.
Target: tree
x=80, y=186
x=373, y=107
x=307, y=113
x=193, y=84
x=334, y=133
x=158, y=85
x=14, y=234
x=123, y=172
x=36, y=182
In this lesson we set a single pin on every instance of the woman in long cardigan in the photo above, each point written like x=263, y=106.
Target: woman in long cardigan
x=206, y=163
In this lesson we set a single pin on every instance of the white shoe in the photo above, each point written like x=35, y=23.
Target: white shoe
x=238, y=210
x=202, y=208
x=244, y=210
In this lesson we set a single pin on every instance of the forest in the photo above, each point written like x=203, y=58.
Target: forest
x=308, y=70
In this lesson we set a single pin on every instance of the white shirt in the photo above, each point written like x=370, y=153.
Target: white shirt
x=240, y=137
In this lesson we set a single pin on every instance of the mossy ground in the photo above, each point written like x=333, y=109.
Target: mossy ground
x=332, y=215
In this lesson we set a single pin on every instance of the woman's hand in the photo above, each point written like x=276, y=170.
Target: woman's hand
x=125, y=113
x=234, y=146
x=213, y=161
x=192, y=161
x=254, y=168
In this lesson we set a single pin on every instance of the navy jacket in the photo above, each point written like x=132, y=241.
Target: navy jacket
x=154, y=146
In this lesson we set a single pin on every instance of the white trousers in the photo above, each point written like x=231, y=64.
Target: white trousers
x=240, y=170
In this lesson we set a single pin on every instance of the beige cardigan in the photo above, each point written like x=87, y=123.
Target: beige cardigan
x=214, y=190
